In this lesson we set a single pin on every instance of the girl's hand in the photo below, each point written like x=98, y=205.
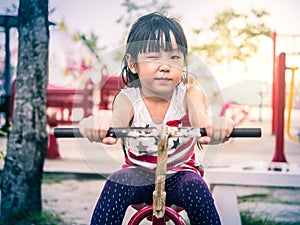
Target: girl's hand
x=95, y=127
x=219, y=131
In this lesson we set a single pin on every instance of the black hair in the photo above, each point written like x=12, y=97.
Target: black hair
x=146, y=35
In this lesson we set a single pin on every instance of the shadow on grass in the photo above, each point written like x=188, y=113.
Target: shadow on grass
x=45, y=218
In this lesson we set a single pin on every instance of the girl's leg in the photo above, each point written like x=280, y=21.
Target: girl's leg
x=188, y=190
x=123, y=188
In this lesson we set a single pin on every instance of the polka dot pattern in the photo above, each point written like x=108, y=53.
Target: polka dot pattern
x=132, y=186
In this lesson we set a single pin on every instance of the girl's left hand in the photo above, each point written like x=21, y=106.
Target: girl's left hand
x=219, y=131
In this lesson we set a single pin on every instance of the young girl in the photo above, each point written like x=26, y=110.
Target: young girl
x=156, y=94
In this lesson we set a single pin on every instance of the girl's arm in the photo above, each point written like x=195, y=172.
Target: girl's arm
x=196, y=107
x=95, y=127
x=195, y=104
x=122, y=111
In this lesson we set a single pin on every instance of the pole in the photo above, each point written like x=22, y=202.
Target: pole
x=7, y=78
x=273, y=36
x=279, y=84
x=290, y=106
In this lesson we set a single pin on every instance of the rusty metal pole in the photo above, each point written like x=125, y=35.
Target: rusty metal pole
x=280, y=106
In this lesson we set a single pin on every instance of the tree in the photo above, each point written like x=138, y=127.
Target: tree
x=232, y=36
x=27, y=143
x=135, y=9
x=91, y=42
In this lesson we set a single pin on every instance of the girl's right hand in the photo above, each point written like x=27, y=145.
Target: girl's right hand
x=95, y=127
x=219, y=131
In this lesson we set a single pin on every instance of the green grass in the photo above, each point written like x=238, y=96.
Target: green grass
x=45, y=218
x=47, y=180
x=253, y=198
x=248, y=219
x=262, y=197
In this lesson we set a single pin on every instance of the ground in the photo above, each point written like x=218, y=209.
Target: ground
x=74, y=200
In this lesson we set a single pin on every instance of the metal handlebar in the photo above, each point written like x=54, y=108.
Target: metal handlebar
x=136, y=132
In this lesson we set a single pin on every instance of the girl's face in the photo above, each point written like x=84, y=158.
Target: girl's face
x=159, y=72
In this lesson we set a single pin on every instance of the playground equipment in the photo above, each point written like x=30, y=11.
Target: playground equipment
x=277, y=173
x=7, y=22
x=279, y=108
x=158, y=212
x=290, y=107
x=291, y=52
x=237, y=112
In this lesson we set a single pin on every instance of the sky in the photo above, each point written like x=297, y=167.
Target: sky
x=100, y=16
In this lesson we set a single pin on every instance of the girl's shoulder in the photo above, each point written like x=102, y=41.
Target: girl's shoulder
x=195, y=95
x=122, y=109
x=132, y=93
x=194, y=90
x=130, y=90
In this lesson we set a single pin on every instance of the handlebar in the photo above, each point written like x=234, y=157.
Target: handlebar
x=72, y=132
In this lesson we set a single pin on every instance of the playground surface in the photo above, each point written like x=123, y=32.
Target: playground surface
x=79, y=173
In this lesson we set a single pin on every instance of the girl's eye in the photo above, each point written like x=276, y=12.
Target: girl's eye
x=152, y=56
x=175, y=57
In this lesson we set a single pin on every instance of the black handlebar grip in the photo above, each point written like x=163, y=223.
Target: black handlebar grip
x=203, y=132
x=246, y=132
x=239, y=132
x=72, y=132
x=67, y=132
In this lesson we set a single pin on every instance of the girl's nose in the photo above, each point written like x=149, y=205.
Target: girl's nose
x=164, y=67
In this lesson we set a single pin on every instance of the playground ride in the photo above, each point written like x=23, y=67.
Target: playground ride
x=276, y=174
x=159, y=213
x=279, y=107
x=237, y=112
x=290, y=44
x=290, y=107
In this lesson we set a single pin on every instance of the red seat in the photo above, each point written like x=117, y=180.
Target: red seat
x=138, y=207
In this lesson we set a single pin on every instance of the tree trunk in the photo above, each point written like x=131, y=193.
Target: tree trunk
x=27, y=143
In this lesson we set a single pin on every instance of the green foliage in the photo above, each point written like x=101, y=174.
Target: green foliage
x=4, y=131
x=232, y=36
x=2, y=155
x=12, y=9
x=45, y=218
x=91, y=42
x=135, y=9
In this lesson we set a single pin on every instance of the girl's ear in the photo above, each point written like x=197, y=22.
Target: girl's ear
x=131, y=64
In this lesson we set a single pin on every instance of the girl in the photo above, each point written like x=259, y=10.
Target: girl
x=157, y=94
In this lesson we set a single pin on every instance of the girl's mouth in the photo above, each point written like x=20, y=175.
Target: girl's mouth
x=163, y=79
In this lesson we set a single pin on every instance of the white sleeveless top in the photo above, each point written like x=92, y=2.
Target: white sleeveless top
x=142, y=152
